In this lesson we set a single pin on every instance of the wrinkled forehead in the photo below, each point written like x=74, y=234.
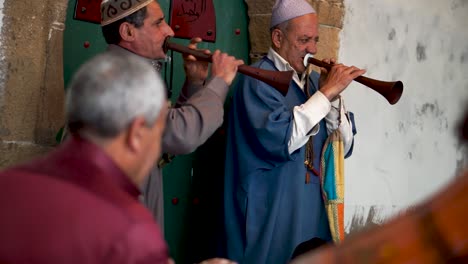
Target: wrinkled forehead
x=155, y=11
x=306, y=25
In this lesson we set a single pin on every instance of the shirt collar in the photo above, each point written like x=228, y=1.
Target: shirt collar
x=282, y=65
x=98, y=158
x=157, y=64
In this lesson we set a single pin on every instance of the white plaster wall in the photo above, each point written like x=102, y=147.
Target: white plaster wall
x=407, y=151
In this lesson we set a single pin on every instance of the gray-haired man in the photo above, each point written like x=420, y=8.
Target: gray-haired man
x=272, y=199
x=79, y=204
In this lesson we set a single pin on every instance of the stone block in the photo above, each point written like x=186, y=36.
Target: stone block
x=256, y=7
x=12, y=153
x=259, y=33
x=330, y=13
x=329, y=42
x=52, y=99
x=31, y=105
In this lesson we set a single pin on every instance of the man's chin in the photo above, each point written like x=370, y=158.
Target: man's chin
x=300, y=70
x=163, y=57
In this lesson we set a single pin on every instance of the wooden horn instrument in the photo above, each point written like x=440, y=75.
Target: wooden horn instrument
x=278, y=79
x=390, y=90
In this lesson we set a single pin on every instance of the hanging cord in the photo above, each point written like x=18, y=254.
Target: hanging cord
x=168, y=60
x=308, y=71
x=171, y=76
x=309, y=151
x=165, y=74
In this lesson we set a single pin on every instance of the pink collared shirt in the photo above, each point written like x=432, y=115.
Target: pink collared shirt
x=75, y=206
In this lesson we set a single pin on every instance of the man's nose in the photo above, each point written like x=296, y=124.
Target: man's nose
x=169, y=31
x=312, y=48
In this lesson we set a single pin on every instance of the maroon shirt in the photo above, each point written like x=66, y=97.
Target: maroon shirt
x=75, y=206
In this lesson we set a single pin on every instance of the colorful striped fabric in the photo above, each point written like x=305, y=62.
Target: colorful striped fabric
x=332, y=182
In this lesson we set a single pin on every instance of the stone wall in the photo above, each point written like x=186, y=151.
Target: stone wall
x=31, y=78
x=331, y=15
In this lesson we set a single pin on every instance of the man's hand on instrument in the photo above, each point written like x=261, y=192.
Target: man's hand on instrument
x=195, y=70
x=335, y=81
x=225, y=66
x=324, y=72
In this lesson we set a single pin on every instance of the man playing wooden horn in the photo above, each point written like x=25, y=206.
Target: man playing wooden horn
x=138, y=28
x=273, y=198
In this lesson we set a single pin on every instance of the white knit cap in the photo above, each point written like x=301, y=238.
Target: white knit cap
x=284, y=10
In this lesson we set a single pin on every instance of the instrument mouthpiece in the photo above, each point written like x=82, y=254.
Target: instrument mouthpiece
x=306, y=59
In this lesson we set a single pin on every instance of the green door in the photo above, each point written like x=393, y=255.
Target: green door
x=192, y=183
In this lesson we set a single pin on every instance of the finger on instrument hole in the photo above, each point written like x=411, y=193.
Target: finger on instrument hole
x=193, y=42
x=190, y=58
x=355, y=71
x=326, y=61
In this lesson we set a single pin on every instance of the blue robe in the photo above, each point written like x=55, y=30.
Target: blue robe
x=269, y=209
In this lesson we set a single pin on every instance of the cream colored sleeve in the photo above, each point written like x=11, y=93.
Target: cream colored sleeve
x=306, y=118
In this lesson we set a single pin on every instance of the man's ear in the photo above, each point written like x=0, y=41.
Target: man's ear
x=127, y=31
x=276, y=37
x=135, y=134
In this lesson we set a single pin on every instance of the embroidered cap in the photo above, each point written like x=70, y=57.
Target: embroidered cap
x=113, y=10
x=284, y=10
